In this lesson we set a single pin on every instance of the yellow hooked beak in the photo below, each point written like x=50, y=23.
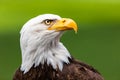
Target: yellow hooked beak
x=64, y=24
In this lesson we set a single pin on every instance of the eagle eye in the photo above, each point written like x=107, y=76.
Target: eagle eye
x=48, y=21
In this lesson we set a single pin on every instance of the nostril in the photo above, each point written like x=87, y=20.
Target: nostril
x=64, y=21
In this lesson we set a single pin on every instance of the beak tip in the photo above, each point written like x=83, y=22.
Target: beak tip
x=75, y=31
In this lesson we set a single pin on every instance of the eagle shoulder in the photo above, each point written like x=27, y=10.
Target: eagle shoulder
x=77, y=70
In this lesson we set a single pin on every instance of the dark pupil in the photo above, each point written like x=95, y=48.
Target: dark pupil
x=48, y=21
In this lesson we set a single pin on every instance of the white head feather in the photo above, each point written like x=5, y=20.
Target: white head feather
x=40, y=45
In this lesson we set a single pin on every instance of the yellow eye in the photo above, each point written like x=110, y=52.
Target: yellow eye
x=48, y=22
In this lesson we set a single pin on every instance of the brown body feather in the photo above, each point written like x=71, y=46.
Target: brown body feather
x=74, y=71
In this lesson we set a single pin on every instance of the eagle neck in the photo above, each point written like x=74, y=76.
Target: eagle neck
x=54, y=53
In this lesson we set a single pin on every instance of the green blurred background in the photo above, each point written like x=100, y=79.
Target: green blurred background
x=97, y=42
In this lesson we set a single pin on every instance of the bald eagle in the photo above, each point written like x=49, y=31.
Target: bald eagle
x=44, y=57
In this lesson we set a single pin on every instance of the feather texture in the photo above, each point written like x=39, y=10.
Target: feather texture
x=74, y=71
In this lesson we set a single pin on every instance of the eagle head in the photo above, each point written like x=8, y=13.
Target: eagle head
x=40, y=43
